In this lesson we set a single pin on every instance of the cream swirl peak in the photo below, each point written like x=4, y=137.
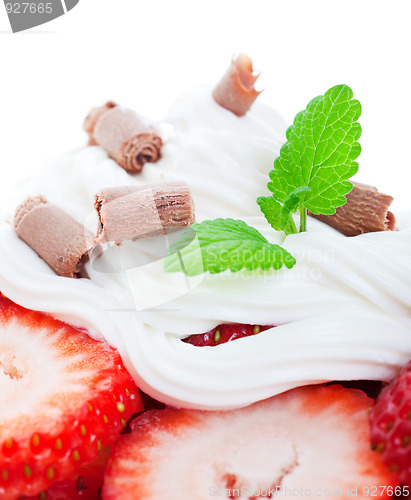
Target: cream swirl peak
x=343, y=312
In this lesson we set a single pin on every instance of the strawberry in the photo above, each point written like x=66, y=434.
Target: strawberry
x=84, y=484
x=64, y=396
x=390, y=422
x=225, y=333
x=313, y=439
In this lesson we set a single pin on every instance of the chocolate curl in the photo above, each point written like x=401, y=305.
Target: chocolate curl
x=366, y=211
x=55, y=236
x=130, y=213
x=235, y=91
x=126, y=139
x=93, y=117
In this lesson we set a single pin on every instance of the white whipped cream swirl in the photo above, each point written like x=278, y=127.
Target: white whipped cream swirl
x=342, y=313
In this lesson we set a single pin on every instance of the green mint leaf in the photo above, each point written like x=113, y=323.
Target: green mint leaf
x=272, y=212
x=320, y=153
x=277, y=215
x=223, y=244
x=293, y=199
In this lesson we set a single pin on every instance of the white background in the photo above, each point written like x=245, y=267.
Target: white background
x=144, y=53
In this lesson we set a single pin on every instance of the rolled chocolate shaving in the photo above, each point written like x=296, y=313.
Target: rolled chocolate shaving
x=127, y=139
x=366, y=211
x=140, y=149
x=235, y=91
x=390, y=221
x=55, y=236
x=129, y=213
x=92, y=118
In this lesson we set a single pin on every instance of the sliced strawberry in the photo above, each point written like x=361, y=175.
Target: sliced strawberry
x=314, y=438
x=63, y=397
x=84, y=484
x=390, y=421
x=225, y=333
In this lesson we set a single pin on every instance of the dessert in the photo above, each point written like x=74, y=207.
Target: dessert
x=144, y=312
x=317, y=307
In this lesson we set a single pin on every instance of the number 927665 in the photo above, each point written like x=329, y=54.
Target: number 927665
x=379, y=491
x=29, y=7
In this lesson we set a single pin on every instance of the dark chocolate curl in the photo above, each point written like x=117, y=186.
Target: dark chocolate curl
x=235, y=91
x=92, y=118
x=366, y=211
x=55, y=236
x=129, y=213
x=127, y=139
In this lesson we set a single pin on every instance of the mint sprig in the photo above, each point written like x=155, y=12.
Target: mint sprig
x=277, y=215
x=311, y=173
x=317, y=160
x=223, y=244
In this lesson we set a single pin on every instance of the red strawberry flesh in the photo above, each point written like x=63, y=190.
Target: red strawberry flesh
x=390, y=422
x=84, y=484
x=225, y=333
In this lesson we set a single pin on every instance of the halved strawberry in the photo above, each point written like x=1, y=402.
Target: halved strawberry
x=312, y=439
x=225, y=333
x=63, y=397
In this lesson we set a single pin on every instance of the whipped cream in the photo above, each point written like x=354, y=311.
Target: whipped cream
x=342, y=313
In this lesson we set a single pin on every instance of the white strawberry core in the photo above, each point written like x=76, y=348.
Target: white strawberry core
x=270, y=455
x=35, y=377
x=315, y=439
